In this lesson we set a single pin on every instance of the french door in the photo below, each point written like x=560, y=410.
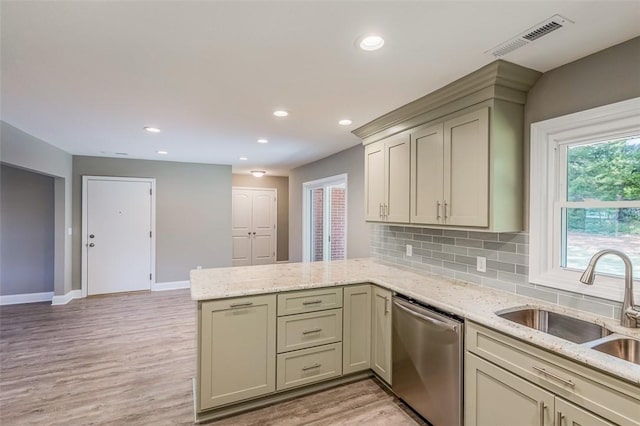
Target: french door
x=325, y=219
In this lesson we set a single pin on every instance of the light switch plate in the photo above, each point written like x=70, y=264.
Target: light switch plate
x=409, y=250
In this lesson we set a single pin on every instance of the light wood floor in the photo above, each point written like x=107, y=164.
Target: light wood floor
x=129, y=359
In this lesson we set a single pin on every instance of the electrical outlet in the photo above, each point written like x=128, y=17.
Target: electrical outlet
x=198, y=267
x=409, y=250
x=481, y=264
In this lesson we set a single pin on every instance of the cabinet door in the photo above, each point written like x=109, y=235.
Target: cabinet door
x=494, y=396
x=568, y=414
x=427, y=156
x=374, y=179
x=237, y=347
x=381, y=334
x=356, y=339
x=397, y=183
x=466, y=169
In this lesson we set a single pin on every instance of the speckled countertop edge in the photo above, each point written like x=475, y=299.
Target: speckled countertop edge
x=471, y=301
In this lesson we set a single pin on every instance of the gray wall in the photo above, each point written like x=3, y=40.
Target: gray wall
x=606, y=77
x=25, y=151
x=350, y=161
x=281, y=183
x=193, y=212
x=26, y=232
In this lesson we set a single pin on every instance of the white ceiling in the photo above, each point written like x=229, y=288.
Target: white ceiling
x=87, y=76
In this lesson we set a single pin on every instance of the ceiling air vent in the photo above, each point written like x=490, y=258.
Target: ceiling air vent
x=542, y=29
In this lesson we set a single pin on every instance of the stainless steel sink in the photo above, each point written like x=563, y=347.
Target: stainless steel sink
x=624, y=348
x=558, y=325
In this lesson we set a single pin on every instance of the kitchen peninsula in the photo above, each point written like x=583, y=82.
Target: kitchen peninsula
x=273, y=332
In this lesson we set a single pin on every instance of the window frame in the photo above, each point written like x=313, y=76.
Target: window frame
x=549, y=139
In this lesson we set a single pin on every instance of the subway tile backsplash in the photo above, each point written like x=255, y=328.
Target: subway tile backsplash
x=453, y=254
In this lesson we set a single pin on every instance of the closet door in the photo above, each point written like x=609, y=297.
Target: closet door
x=263, y=233
x=253, y=226
x=241, y=228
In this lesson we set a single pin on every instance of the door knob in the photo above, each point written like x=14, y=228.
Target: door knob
x=92, y=245
x=92, y=236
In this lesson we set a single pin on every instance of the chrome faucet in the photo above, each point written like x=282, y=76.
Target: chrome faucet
x=630, y=315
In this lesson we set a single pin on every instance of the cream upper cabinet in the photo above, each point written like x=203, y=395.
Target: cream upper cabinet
x=466, y=169
x=387, y=180
x=466, y=154
x=381, y=334
x=356, y=339
x=374, y=181
x=427, y=174
x=237, y=348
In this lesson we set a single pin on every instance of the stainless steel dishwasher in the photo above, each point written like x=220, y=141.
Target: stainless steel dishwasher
x=427, y=349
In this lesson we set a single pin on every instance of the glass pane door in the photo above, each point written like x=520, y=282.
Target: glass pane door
x=325, y=222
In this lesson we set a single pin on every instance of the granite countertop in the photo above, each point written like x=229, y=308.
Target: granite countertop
x=470, y=301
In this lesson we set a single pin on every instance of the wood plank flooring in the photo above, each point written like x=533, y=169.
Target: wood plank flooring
x=129, y=359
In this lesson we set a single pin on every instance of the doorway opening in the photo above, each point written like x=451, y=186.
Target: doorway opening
x=325, y=219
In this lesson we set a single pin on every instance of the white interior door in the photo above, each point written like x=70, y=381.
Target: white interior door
x=263, y=233
x=253, y=231
x=118, y=235
x=241, y=206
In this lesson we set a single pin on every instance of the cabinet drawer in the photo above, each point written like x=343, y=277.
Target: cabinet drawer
x=299, y=302
x=600, y=393
x=308, y=366
x=307, y=330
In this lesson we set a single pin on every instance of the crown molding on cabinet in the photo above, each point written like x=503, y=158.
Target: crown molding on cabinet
x=497, y=80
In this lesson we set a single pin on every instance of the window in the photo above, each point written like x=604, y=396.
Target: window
x=585, y=196
x=325, y=224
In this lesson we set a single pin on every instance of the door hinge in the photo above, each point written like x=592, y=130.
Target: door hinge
x=149, y=277
x=150, y=234
x=150, y=191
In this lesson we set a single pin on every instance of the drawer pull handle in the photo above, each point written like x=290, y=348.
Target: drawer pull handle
x=311, y=302
x=310, y=367
x=313, y=330
x=558, y=378
x=237, y=305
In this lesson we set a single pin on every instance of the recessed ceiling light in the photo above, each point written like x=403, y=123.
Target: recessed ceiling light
x=263, y=141
x=243, y=158
x=280, y=113
x=152, y=129
x=258, y=173
x=344, y=122
x=370, y=42
x=163, y=152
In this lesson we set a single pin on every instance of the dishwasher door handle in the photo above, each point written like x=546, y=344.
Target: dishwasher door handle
x=436, y=322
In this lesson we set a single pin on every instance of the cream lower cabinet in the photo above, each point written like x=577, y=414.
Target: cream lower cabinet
x=496, y=397
x=237, y=350
x=381, y=333
x=356, y=345
x=386, y=174
x=509, y=382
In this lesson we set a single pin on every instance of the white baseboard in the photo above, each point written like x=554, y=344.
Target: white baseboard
x=15, y=299
x=282, y=261
x=171, y=285
x=66, y=298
